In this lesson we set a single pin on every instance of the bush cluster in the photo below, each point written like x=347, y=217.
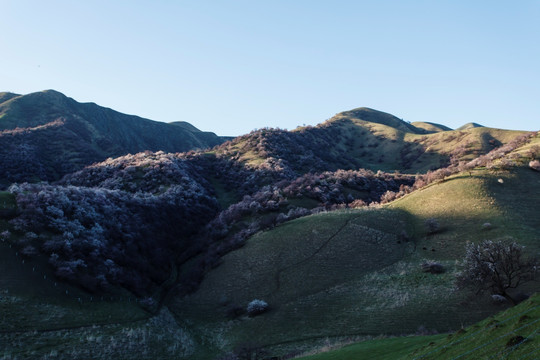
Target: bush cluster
x=256, y=307
x=96, y=237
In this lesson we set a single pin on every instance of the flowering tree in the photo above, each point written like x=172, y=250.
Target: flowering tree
x=496, y=266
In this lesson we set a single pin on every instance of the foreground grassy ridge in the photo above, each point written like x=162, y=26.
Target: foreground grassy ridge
x=350, y=273
x=497, y=337
x=512, y=334
x=380, y=349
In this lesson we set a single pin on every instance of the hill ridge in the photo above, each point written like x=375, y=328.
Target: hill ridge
x=376, y=116
x=87, y=133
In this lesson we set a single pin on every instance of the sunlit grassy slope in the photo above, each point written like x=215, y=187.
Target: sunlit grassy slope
x=430, y=127
x=366, y=138
x=351, y=273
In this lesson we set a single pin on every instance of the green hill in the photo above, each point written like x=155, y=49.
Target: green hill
x=46, y=135
x=470, y=125
x=352, y=273
x=512, y=334
x=375, y=116
x=430, y=127
x=362, y=138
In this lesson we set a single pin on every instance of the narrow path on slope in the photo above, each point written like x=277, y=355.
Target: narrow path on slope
x=310, y=257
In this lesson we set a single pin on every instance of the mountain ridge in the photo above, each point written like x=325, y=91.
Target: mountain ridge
x=83, y=133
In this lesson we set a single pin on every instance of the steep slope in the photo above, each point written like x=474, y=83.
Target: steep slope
x=46, y=135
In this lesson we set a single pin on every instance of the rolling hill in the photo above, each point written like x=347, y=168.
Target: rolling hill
x=430, y=127
x=46, y=135
x=362, y=138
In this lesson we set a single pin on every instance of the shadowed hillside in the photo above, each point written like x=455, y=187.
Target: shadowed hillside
x=46, y=135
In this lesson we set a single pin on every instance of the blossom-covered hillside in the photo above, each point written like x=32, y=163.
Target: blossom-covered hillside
x=46, y=135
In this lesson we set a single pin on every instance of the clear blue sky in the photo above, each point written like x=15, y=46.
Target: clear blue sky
x=233, y=66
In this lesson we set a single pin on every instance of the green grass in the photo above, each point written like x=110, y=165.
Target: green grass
x=492, y=337
x=224, y=196
x=380, y=349
x=43, y=318
x=431, y=127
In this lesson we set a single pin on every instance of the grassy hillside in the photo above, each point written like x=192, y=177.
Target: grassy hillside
x=430, y=127
x=470, y=125
x=393, y=348
x=512, y=334
x=363, y=138
x=352, y=273
x=46, y=135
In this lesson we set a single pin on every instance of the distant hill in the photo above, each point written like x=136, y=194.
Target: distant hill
x=46, y=135
x=362, y=138
x=470, y=125
x=379, y=117
x=430, y=127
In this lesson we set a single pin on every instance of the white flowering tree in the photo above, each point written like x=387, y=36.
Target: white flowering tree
x=496, y=266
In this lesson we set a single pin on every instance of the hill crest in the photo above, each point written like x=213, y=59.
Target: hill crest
x=83, y=133
x=376, y=116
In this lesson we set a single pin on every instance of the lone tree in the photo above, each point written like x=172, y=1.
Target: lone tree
x=496, y=266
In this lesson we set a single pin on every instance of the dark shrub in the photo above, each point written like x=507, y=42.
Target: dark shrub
x=432, y=225
x=433, y=268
